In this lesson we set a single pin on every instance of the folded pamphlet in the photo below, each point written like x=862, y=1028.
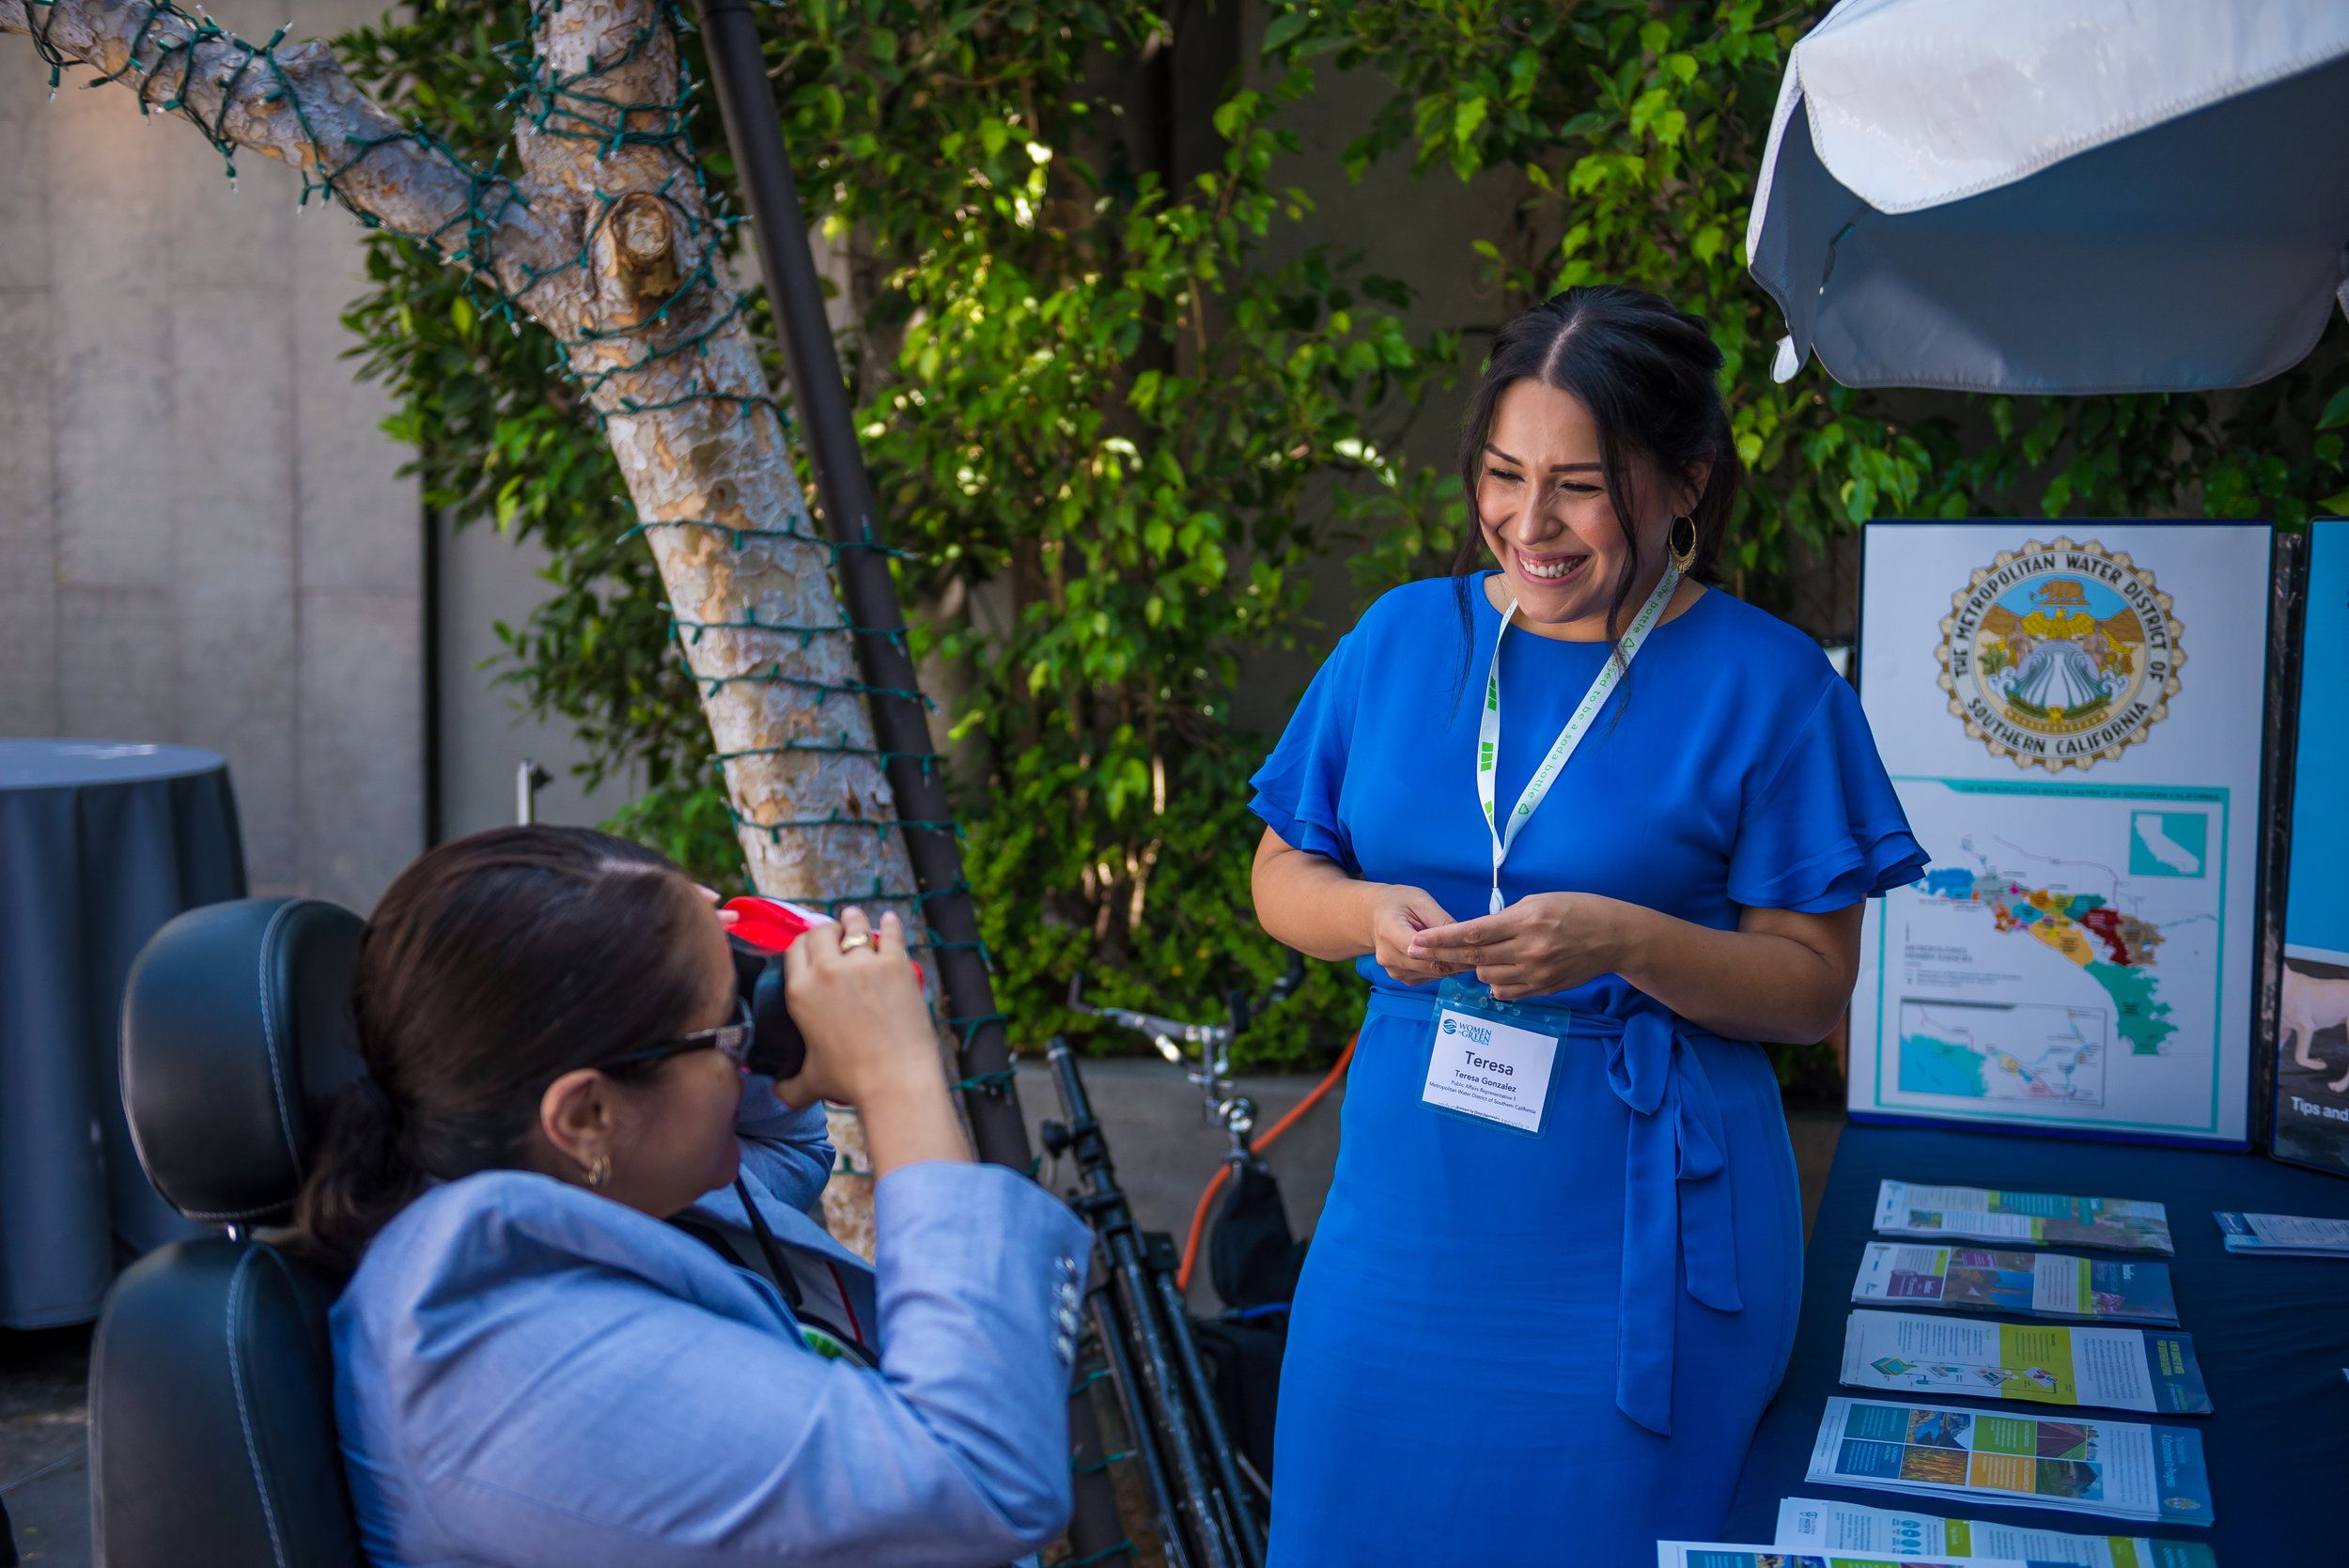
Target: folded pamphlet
x=2080, y=1465
x=1809, y=1524
x=2117, y=1369
x=2286, y=1236
x=2029, y=1284
x=2119, y=1224
x=1706, y=1554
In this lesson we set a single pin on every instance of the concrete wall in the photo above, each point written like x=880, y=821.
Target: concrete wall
x=487, y=578
x=201, y=538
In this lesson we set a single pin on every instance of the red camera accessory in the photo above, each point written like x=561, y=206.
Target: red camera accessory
x=774, y=924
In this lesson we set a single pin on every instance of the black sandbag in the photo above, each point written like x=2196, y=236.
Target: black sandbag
x=1244, y=1362
x=1253, y=1256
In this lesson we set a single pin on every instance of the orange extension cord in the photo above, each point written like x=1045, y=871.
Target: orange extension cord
x=1223, y=1172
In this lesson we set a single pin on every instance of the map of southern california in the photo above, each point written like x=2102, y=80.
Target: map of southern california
x=2115, y=948
x=2065, y=964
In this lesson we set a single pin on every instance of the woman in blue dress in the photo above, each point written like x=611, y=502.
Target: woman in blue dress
x=1557, y=1276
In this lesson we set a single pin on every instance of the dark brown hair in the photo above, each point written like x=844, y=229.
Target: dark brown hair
x=1650, y=376
x=491, y=967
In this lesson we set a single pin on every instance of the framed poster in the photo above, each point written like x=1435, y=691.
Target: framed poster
x=2072, y=714
x=2313, y=1021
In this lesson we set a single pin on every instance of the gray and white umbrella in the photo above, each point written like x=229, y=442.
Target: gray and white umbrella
x=2058, y=195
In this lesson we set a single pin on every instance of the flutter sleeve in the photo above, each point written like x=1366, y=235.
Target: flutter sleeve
x=1825, y=830
x=1298, y=787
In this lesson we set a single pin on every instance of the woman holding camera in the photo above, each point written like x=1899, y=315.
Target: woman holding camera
x=1593, y=830
x=533, y=1366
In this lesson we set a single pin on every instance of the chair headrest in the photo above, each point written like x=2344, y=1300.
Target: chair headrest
x=235, y=1023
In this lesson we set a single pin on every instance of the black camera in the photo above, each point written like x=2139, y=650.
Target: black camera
x=777, y=1049
x=762, y=930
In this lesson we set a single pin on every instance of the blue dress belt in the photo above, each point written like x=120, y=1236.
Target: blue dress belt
x=1676, y=1194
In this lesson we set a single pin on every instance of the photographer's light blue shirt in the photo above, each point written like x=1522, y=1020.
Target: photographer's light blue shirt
x=529, y=1373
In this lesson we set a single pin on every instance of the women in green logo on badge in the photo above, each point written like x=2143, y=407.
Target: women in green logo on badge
x=1573, y=779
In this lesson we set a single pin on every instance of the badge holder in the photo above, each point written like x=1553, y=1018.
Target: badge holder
x=1490, y=1060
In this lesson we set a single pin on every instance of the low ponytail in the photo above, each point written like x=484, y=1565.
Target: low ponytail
x=492, y=966
x=359, y=1179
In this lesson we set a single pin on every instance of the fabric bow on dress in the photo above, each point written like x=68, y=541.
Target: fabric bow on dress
x=1676, y=1199
x=1676, y=1209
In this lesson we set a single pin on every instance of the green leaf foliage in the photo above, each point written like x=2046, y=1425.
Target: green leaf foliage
x=1633, y=130
x=1111, y=433
x=1094, y=417
x=1097, y=434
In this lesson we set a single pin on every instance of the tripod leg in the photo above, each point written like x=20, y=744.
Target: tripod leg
x=1242, y=1520
x=1108, y=1328
x=1162, y=1380
x=1128, y=1318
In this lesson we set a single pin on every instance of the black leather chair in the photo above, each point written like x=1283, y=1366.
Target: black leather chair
x=212, y=1388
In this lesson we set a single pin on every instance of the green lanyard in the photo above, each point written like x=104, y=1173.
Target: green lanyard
x=1488, y=724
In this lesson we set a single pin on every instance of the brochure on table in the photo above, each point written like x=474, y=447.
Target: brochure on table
x=2046, y=1363
x=1709, y=1554
x=2078, y=1463
x=1810, y=1525
x=2311, y=1042
x=2072, y=715
x=2284, y=1235
x=2027, y=1284
x=1989, y=1214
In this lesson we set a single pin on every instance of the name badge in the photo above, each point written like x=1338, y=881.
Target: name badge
x=1493, y=1071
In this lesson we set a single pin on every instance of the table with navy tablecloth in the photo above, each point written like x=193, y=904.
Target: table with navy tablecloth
x=2271, y=1334
x=100, y=843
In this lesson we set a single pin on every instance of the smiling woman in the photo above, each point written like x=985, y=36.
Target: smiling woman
x=1555, y=1281
x=1554, y=437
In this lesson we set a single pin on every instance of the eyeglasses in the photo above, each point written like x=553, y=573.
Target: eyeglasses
x=731, y=1039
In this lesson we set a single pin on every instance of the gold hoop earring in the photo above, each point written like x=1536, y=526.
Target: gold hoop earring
x=598, y=1171
x=1682, y=559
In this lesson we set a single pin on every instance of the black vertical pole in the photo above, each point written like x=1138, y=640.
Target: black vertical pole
x=2287, y=621
x=746, y=98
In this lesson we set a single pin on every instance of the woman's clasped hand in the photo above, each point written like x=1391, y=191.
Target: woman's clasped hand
x=1543, y=942
x=1399, y=916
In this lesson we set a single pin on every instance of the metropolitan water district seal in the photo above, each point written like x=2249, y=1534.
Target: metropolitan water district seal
x=2059, y=654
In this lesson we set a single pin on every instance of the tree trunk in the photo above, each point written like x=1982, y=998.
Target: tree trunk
x=604, y=239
